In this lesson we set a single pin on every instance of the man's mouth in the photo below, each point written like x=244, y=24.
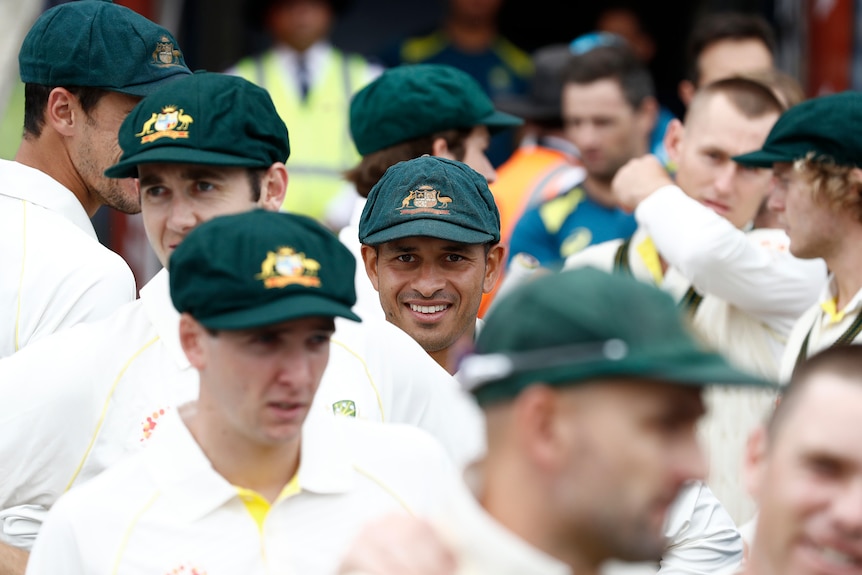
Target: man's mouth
x=428, y=308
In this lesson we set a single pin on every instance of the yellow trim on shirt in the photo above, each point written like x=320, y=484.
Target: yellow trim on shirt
x=385, y=488
x=127, y=535
x=257, y=505
x=554, y=212
x=367, y=374
x=649, y=255
x=830, y=307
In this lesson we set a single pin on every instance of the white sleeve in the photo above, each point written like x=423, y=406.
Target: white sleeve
x=702, y=537
x=56, y=551
x=20, y=524
x=753, y=271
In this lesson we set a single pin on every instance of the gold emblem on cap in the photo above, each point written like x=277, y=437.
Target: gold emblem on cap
x=165, y=54
x=286, y=266
x=425, y=200
x=170, y=123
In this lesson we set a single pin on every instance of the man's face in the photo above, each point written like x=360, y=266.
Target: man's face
x=727, y=58
x=257, y=385
x=603, y=125
x=432, y=288
x=808, y=484
x=176, y=198
x=632, y=448
x=811, y=225
x=300, y=23
x=97, y=148
x=475, y=148
x=714, y=132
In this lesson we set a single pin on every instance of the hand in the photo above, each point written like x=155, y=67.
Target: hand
x=637, y=180
x=397, y=545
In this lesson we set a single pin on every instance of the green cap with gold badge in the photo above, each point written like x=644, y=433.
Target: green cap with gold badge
x=432, y=197
x=584, y=325
x=260, y=268
x=99, y=44
x=414, y=100
x=205, y=118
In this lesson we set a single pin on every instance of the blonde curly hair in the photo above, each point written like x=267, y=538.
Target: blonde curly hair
x=838, y=186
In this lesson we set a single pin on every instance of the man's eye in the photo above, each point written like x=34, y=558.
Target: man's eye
x=205, y=186
x=406, y=258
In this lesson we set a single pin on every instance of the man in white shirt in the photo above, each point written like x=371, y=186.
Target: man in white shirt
x=240, y=481
x=84, y=65
x=108, y=385
x=814, y=151
x=741, y=287
x=805, y=470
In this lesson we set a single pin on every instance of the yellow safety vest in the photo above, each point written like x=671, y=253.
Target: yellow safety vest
x=321, y=148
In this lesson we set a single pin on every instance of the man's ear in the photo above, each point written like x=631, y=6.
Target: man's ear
x=273, y=187
x=673, y=138
x=494, y=264
x=369, y=258
x=191, y=340
x=686, y=92
x=754, y=466
x=536, y=411
x=440, y=148
x=63, y=111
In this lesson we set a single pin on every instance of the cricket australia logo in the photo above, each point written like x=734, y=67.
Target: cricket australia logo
x=165, y=54
x=170, y=123
x=425, y=200
x=345, y=407
x=286, y=266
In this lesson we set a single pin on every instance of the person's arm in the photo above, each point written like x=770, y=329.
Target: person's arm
x=13, y=561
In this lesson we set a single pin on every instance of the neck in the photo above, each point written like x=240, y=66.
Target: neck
x=265, y=469
x=48, y=155
x=846, y=269
x=470, y=34
x=526, y=513
x=448, y=357
x=599, y=191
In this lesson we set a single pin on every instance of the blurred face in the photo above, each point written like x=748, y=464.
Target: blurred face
x=605, y=128
x=808, y=484
x=727, y=58
x=176, y=198
x=300, y=23
x=475, y=10
x=257, y=385
x=432, y=288
x=714, y=132
x=632, y=447
x=475, y=148
x=96, y=149
x=812, y=226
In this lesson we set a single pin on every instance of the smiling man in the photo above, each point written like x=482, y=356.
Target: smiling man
x=430, y=235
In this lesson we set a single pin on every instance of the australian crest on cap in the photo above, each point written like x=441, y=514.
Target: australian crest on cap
x=425, y=200
x=165, y=54
x=169, y=123
x=285, y=266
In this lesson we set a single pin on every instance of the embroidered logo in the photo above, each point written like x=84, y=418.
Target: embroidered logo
x=165, y=54
x=344, y=407
x=286, y=266
x=186, y=569
x=171, y=123
x=425, y=200
x=150, y=424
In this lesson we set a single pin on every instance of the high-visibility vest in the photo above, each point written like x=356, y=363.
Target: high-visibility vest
x=321, y=148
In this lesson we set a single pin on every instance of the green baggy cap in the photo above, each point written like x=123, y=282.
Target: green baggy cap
x=830, y=127
x=205, y=118
x=261, y=268
x=582, y=325
x=432, y=197
x=99, y=44
x=413, y=100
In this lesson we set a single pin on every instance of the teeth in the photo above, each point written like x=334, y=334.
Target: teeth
x=836, y=556
x=427, y=308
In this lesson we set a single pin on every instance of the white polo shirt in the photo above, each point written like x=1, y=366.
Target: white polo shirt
x=79, y=401
x=820, y=327
x=168, y=511
x=55, y=271
x=753, y=292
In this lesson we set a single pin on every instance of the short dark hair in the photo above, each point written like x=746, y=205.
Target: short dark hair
x=842, y=360
x=36, y=101
x=751, y=98
x=372, y=166
x=718, y=26
x=254, y=178
x=616, y=62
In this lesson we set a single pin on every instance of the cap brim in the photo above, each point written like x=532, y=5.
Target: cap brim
x=431, y=229
x=295, y=306
x=762, y=158
x=499, y=121
x=128, y=167
x=526, y=108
